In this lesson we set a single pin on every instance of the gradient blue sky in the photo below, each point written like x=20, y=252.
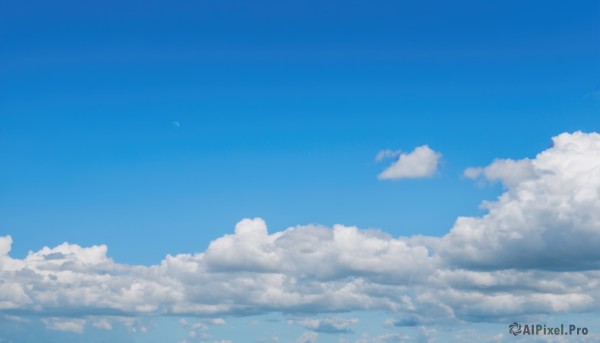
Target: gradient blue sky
x=281, y=108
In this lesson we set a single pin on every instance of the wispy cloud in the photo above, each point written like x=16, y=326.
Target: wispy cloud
x=64, y=324
x=326, y=325
x=385, y=154
x=421, y=162
x=507, y=171
x=308, y=337
x=198, y=328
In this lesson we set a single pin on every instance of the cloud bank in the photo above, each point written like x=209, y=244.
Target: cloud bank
x=534, y=252
x=421, y=162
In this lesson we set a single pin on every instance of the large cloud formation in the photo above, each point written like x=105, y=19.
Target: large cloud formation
x=534, y=252
x=549, y=217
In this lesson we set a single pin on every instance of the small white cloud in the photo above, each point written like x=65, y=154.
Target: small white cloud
x=421, y=162
x=509, y=172
x=473, y=172
x=176, y=124
x=7, y=317
x=102, y=324
x=326, y=325
x=198, y=329
x=62, y=324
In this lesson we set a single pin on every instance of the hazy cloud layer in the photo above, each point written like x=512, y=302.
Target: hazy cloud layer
x=534, y=252
x=326, y=325
x=421, y=162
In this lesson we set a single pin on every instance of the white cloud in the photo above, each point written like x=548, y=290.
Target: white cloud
x=199, y=327
x=421, y=162
x=507, y=171
x=534, y=252
x=326, y=325
x=102, y=324
x=64, y=324
x=473, y=172
x=387, y=153
x=549, y=217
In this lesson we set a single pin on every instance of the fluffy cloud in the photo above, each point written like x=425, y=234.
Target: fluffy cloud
x=534, y=252
x=549, y=217
x=421, y=162
x=249, y=271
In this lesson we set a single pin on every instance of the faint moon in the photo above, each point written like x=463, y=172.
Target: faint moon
x=176, y=124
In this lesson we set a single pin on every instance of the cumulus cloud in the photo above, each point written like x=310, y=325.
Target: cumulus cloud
x=250, y=271
x=533, y=252
x=421, y=162
x=549, y=217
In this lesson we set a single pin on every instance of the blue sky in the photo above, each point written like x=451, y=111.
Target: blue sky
x=154, y=127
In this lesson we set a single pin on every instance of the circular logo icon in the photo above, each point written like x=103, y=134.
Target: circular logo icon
x=514, y=328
